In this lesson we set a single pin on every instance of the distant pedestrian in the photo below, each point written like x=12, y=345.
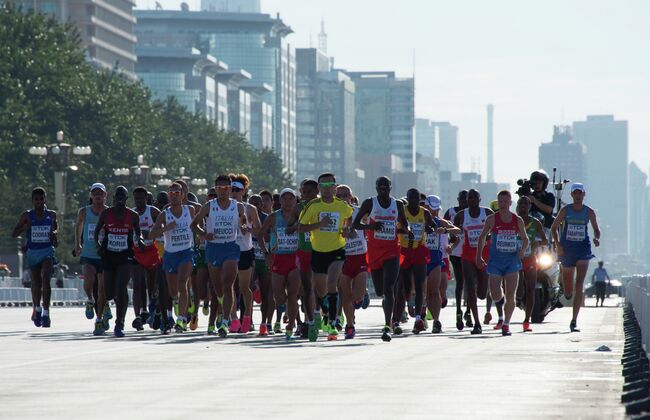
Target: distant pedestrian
x=598, y=279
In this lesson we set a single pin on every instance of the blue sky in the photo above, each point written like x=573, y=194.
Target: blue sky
x=539, y=63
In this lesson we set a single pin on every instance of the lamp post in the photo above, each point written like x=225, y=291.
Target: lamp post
x=199, y=183
x=58, y=156
x=140, y=173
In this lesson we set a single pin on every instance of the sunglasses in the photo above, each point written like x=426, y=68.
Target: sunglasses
x=175, y=192
x=326, y=184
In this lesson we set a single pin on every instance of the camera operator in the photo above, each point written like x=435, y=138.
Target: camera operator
x=542, y=201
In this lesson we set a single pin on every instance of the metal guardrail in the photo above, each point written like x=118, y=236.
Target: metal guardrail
x=637, y=293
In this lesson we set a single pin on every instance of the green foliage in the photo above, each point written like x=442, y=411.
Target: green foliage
x=46, y=86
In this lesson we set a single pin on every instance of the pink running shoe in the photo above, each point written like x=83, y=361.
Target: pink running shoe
x=235, y=326
x=246, y=324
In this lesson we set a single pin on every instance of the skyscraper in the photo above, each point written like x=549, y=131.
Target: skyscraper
x=639, y=225
x=231, y=6
x=254, y=42
x=325, y=118
x=427, y=163
x=105, y=28
x=448, y=149
x=563, y=153
x=607, y=176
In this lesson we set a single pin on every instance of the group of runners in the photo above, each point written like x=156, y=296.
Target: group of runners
x=305, y=257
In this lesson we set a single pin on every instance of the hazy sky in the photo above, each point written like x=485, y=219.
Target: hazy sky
x=539, y=63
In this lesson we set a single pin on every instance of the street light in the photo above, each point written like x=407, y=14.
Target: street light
x=58, y=156
x=140, y=173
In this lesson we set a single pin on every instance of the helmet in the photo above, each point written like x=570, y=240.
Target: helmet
x=540, y=175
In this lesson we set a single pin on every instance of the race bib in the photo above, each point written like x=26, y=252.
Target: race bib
x=387, y=232
x=181, y=238
x=259, y=255
x=334, y=222
x=576, y=233
x=308, y=237
x=506, y=241
x=117, y=243
x=286, y=243
x=417, y=229
x=223, y=231
x=355, y=246
x=40, y=234
x=473, y=235
x=433, y=242
x=91, y=232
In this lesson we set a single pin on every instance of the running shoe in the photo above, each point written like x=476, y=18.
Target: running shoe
x=505, y=331
x=426, y=323
x=573, y=326
x=246, y=325
x=350, y=332
x=235, y=325
x=99, y=328
x=397, y=330
x=437, y=327
x=411, y=306
x=477, y=330
x=468, y=319
x=338, y=325
x=108, y=314
x=357, y=304
x=263, y=331
x=288, y=335
x=385, y=334
x=37, y=317
x=318, y=321
x=165, y=326
x=137, y=324
x=429, y=317
x=269, y=329
x=526, y=326
x=366, y=300
x=118, y=331
x=277, y=328
x=459, y=321
x=498, y=325
x=223, y=330
x=194, y=322
x=170, y=322
x=405, y=318
x=326, y=321
x=180, y=326
x=46, y=321
x=333, y=334
x=106, y=324
x=90, y=309
x=206, y=308
x=212, y=330
x=144, y=316
x=304, y=331
x=153, y=307
x=444, y=303
x=418, y=326
x=312, y=332
x=487, y=319
x=191, y=309
x=175, y=307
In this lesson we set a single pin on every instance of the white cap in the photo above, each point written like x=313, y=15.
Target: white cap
x=237, y=184
x=97, y=185
x=577, y=186
x=433, y=202
x=288, y=190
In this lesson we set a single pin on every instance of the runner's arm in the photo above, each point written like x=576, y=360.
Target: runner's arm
x=308, y=227
x=135, y=219
x=55, y=229
x=540, y=232
x=365, y=209
x=255, y=220
x=555, y=228
x=21, y=226
x=157, y=229
x=594, y=226
x=198, y=220
x=266, y=227
x=489, y=223
x=450, y=228
x=404, y=224
x=78, y=230
x=524, y=237
x=99, y=227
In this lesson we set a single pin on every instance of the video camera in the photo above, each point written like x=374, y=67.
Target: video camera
x=525, y=187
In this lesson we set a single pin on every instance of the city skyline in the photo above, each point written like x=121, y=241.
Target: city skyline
x=560, y=67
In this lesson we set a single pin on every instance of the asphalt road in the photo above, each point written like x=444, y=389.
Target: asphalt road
x=65, y=372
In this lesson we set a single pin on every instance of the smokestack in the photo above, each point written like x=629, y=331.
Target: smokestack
x=490, y=143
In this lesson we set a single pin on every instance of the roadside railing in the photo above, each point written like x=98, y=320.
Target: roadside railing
x=637, y=293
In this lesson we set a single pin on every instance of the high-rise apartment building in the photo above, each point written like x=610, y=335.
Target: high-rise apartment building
x=564, y=154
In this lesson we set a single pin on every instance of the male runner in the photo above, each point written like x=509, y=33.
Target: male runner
x=435, y=242
x=456, y=261
x=354, y=275
x=385, y=220
x=281, y=256
x=145, y=262
x=261, y=273
x=174, y=223
x=534, y=230
x=414, y=260
x=574, y=247
x=598, y=279
x=121, y=227
x=308, y=192
x=471, y=220
x=328, y=219
x=223, y=217
x=86, y=248
x=40, y=226
x=505, y=258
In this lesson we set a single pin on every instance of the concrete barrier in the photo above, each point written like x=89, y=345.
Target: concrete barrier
x=637, y=294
